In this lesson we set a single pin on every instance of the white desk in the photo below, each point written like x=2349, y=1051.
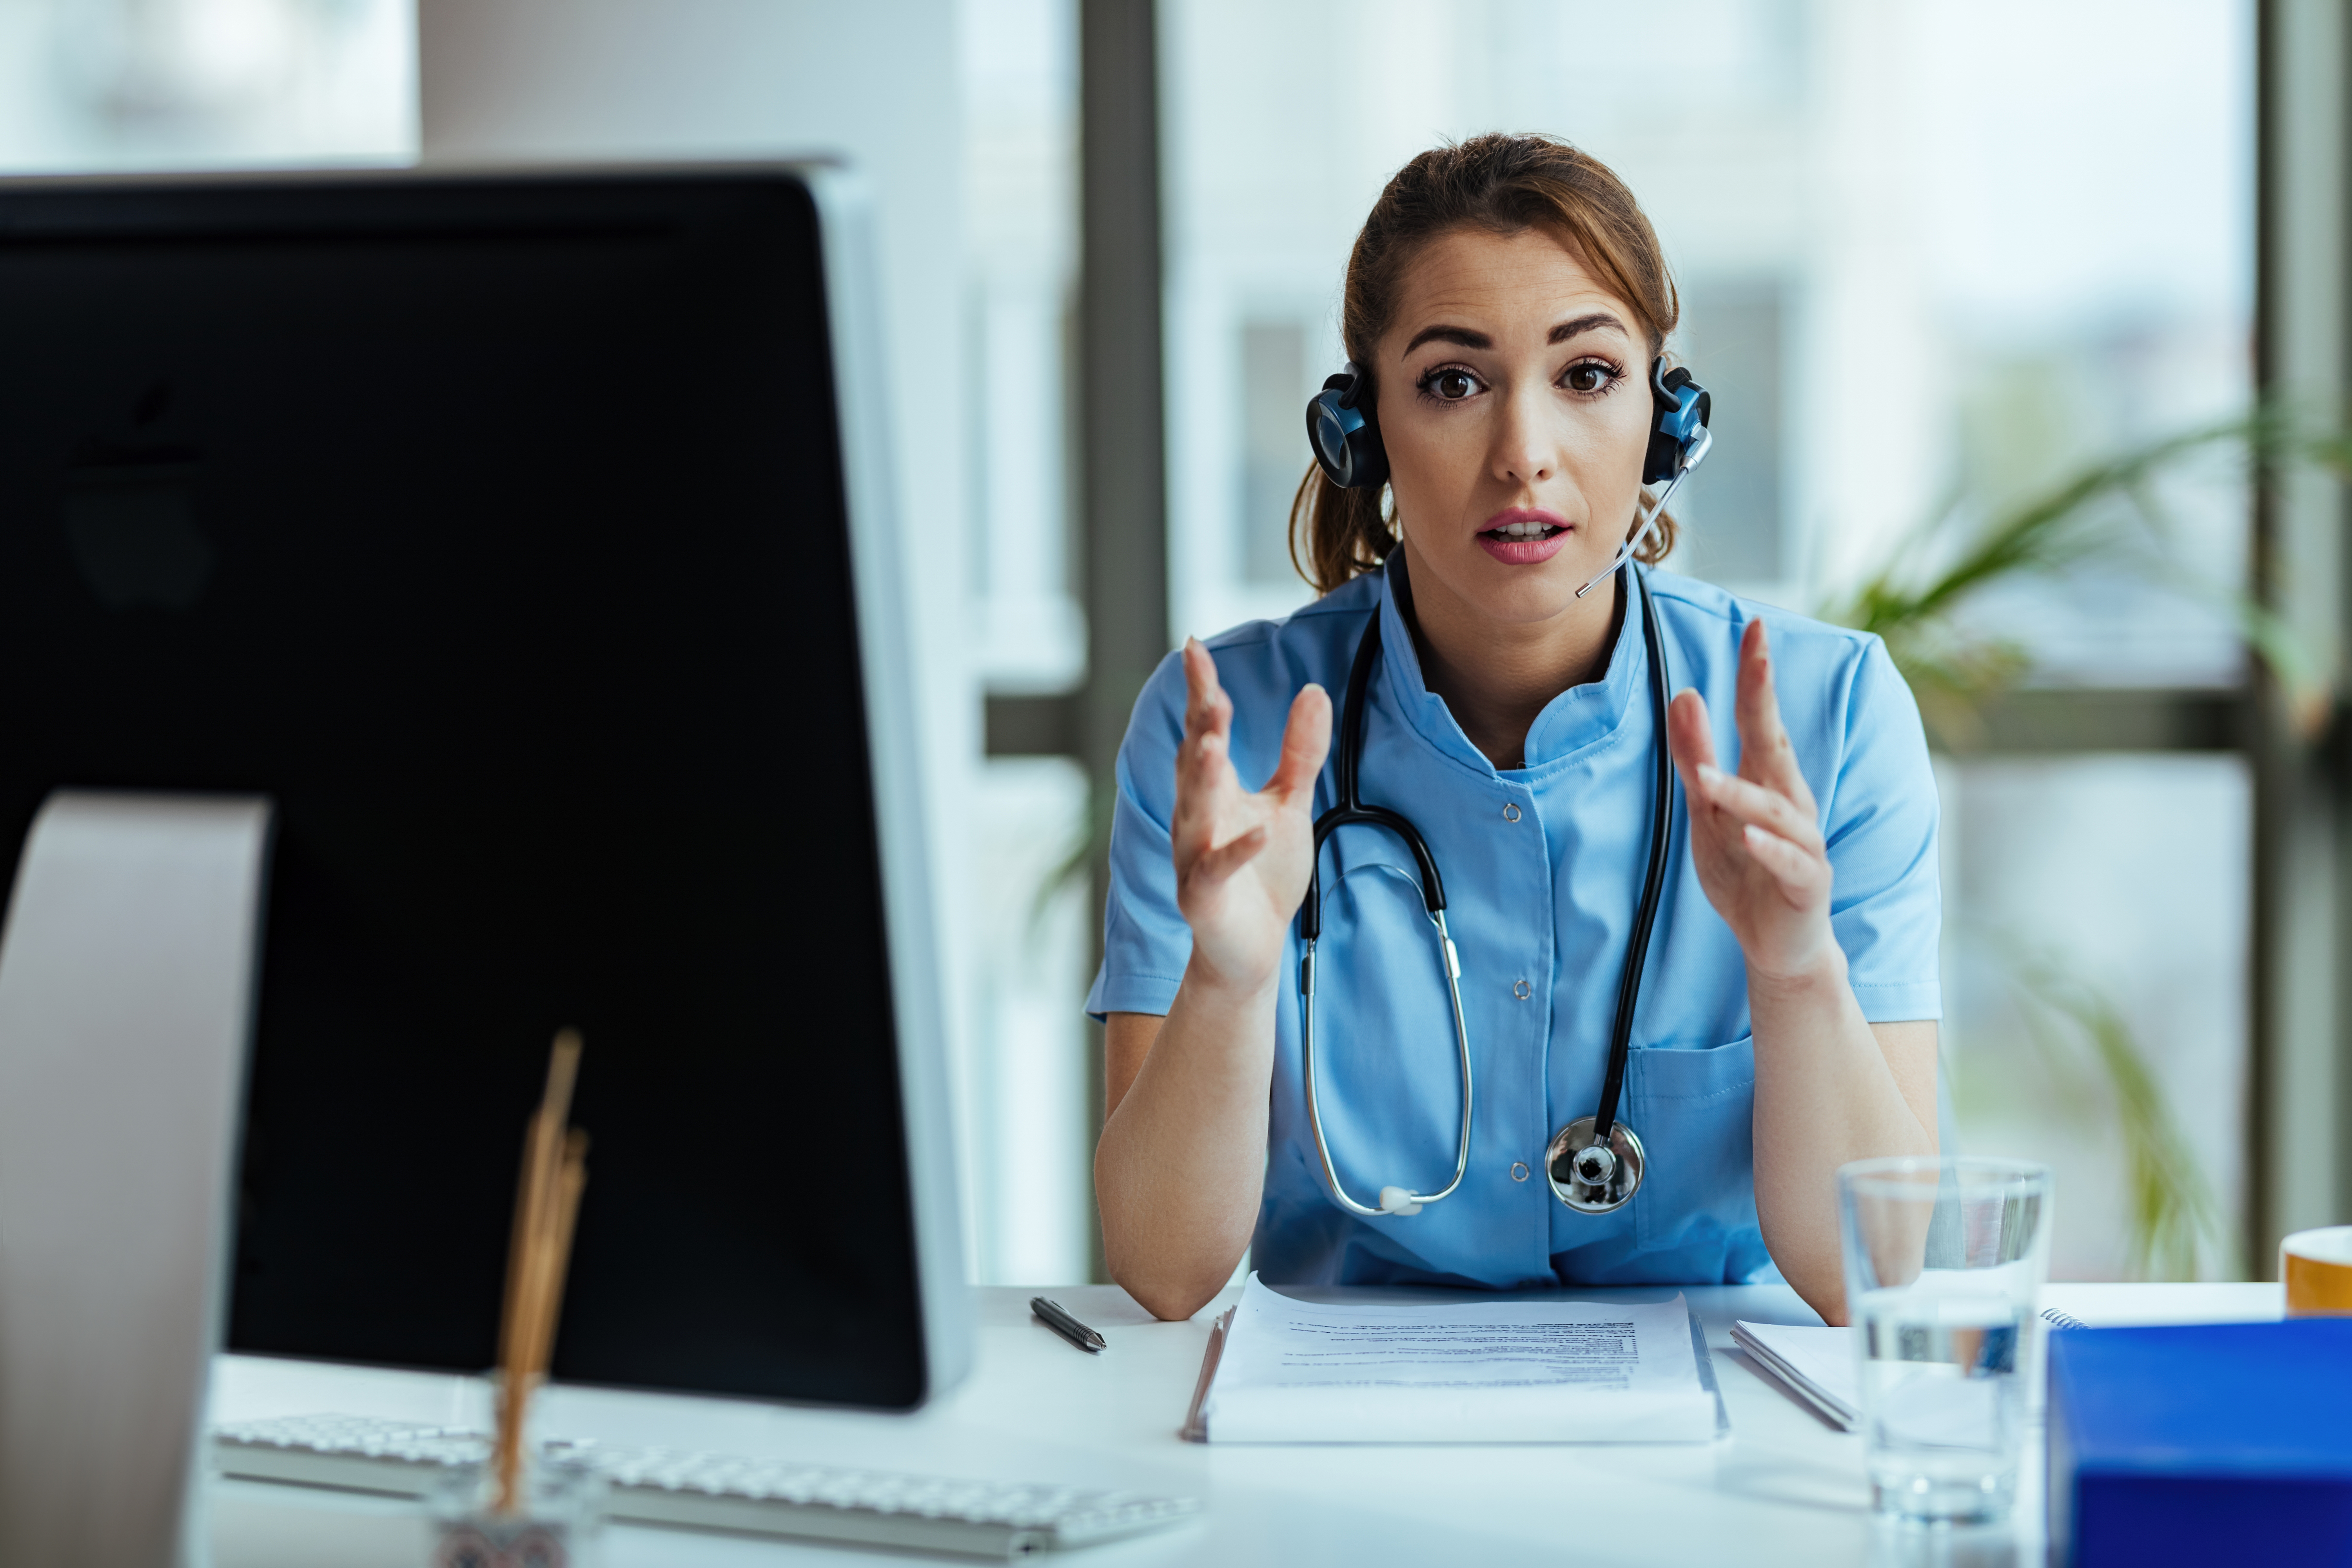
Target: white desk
x=1783, y=1487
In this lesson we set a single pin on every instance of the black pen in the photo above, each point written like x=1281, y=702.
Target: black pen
x=1050, y=1314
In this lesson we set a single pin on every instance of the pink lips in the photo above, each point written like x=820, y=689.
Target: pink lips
x=1524, y=551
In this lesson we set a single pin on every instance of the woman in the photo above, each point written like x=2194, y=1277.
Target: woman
x=1506, y=302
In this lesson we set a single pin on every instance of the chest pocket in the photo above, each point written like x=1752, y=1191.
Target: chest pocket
x=1695, y=1111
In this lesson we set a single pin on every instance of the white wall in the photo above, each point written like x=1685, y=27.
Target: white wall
x=571, y=80
x=133, y=85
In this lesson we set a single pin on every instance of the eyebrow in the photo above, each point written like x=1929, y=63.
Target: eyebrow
x=1583, y=325
x=1461, y=335
x=1562, y=332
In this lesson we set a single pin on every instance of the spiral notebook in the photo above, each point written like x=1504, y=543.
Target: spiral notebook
x=1816, y=1365
x=1551, y=1370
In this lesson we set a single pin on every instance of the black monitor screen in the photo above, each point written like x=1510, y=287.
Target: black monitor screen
x=494, y=529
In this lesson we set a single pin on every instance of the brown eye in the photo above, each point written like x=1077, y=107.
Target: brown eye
x=1589, y=377
x=1453, y=385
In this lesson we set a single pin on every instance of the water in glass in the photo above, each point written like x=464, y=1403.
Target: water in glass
x=1945, y=1404
x=1943, y=1259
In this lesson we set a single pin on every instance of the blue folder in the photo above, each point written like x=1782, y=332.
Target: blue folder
x=2222, y=1443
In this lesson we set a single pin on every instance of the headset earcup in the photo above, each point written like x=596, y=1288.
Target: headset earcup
x=1663, y=456
x=1371, y=458
x=1347, y=445
x=1327, y=436
x=1658, y=463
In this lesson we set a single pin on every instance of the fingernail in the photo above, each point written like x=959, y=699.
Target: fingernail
x=1710, y=775
x=1313, y=686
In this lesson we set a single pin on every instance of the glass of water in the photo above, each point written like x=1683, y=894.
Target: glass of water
x=1943, y=1261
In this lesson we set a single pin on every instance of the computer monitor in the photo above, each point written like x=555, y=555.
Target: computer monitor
x=525, y=538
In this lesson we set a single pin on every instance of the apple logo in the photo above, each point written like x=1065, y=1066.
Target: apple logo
x=129, y=519
x=137, y=544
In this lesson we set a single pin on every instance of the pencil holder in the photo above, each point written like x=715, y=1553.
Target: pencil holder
x=558, y=1523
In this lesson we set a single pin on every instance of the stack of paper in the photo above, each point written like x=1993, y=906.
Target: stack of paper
x=1491, y=1372
x=1815, y=1364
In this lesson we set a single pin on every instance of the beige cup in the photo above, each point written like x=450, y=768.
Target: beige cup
x=2317, y=1268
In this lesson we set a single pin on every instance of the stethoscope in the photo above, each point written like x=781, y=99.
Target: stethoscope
x=1594, y=1163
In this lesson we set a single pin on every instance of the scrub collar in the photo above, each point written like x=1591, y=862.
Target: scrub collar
x=1576, y=718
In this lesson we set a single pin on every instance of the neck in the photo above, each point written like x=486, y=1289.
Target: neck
x=1497, y=676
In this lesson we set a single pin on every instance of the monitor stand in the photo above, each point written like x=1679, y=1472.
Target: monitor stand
x=126, y=1004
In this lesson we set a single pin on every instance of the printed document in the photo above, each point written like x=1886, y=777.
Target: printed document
x=1482, y=1372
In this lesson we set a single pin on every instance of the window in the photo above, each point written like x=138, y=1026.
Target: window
x=1021, y=1087
x=1935, y=256
x=1737, y=329
x=176, y=84
x=1274, y=393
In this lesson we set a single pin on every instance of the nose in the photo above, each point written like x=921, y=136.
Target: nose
x=1523, y=452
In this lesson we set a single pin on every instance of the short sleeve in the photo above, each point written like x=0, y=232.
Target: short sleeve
x=1146, y=944
x=1886, y=899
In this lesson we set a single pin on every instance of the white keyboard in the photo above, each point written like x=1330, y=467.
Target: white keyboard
x=712, y=1492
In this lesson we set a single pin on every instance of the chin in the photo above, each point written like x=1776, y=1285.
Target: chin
x=1517, y=595
x=1526, y=596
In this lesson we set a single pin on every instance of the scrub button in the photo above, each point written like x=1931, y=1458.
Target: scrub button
x=1510, y=811
x=1521, y=989
x=1518, y=1169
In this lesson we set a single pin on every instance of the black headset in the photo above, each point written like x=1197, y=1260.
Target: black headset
x=1347, y=439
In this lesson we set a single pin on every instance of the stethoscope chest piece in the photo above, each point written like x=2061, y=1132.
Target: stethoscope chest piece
x=1588, y=1177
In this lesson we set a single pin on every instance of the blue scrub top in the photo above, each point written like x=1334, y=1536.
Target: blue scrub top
x=1543, y=866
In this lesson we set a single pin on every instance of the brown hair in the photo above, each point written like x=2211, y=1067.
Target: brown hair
x=1504, y=185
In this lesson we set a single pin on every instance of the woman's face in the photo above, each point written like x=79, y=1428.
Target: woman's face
x=1515, y=406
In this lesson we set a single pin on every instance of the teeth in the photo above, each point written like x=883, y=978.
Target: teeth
x=1525, y=529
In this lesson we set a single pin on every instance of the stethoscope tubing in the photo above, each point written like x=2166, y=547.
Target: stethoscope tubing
x=1629, y=988
x=1349, y=809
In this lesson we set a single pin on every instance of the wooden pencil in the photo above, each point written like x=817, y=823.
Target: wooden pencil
x=547, y=1205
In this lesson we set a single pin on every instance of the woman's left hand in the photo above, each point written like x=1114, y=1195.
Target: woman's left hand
x=1754, y=838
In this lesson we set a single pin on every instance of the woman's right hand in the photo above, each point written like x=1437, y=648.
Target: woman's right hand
x=1241, y=859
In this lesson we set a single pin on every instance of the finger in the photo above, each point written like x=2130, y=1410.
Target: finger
x=1205, y=786
x=1222, y=862
x=1689, y=737
x=1797, y=870
x=1203, y=764
x=1306, y=741
x=1200, y=760
x=1752, y=803
x=1208, y=713
x=1766, y=754
x=1206, y=706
